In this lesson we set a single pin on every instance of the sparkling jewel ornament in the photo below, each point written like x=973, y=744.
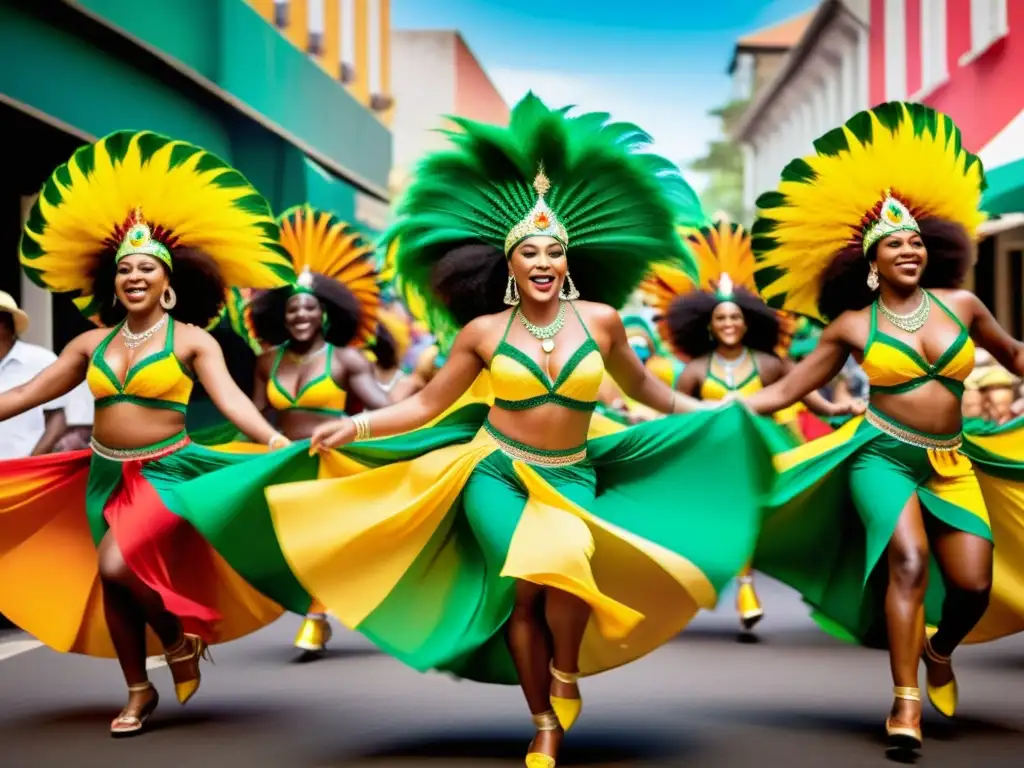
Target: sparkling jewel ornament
x=913, y=321
x=541, y=220
x=133, y=340
x=730, y=366
x=893, y=217
x=726, y=289
x=139, y=240
x=546, y=334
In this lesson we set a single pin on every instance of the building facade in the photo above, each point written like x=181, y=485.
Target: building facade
x=212, y=72
x=822, y=81
x=435, y=74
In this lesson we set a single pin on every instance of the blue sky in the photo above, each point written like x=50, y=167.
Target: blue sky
x=660, y=63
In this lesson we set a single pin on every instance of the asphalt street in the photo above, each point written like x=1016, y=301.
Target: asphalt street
x=795, y=698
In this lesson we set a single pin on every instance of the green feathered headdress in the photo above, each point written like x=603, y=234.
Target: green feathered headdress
x=582, y=179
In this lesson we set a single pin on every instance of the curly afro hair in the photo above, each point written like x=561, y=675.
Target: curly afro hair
x=196, y=281
x=689, y=316
x=385, y=348
x=470, y=279
x=338, y=303
x=844, y=284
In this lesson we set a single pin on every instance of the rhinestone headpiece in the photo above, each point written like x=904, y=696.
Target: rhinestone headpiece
x=540, y=221
x=726, y=288
x=139, y=240
x=893, y=216
x=304, y=282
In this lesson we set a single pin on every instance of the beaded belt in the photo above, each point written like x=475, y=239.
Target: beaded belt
x=147, y=453
x=910, y=436
x=517, y=450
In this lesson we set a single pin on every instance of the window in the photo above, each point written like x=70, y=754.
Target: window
x=988, y=24
x=315, y=43
x=895, y=30
x=743, y=77
x=281, y=14
x=933, y=44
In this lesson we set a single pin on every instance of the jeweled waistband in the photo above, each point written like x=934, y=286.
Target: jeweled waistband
x=146, y=453
x=905, y=434
x=515, y=449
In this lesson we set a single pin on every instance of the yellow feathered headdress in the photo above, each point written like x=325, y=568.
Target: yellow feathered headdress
x=885, y=170
x=319, y=242
x=146, y=193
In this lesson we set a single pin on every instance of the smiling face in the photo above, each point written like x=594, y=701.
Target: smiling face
x=728, y=325
x=139, y=282
x=901, y=259
x=539, y=267
x=303, y=317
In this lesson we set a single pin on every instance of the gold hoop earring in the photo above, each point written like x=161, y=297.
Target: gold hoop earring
x=168, y=299
x=569, y=292
x=511, y=291
x=873, y=277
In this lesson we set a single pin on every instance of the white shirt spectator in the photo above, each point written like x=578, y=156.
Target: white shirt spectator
x=19, y=435
x=80, y=408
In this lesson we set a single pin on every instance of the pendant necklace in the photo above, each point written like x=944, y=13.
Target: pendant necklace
x=730, y=366
x=546, y=333
x=303, y=359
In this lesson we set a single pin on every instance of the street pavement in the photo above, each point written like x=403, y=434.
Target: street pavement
x=795, y=698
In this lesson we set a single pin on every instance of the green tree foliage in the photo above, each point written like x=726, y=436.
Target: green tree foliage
x=723, y=166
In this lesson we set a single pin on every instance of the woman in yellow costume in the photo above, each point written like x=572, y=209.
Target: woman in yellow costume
x=313, y=327
x=144, y=232
x=885, y=526
x=521, y=553
x=731, y=340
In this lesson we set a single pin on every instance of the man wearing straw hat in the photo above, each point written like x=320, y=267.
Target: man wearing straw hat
x=34, y=432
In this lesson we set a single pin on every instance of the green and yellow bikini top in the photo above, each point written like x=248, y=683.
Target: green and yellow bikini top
x=159, y=380
x=520, y=384
x=713, y=388
x=893, y=367
x=320, y=394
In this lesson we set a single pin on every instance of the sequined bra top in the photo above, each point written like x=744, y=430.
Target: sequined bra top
x=714, y=388
x=893, y=367
x=159, y=380
x=321, y=394
x=520, y=384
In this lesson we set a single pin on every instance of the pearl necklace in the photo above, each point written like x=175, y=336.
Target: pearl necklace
x=133, y=340
x=728, y=366
x=546, y=333
x=912, y=321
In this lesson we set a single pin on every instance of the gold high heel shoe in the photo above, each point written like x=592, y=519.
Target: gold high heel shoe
x=548, y=721
x=314, y=633
x=904, y=737
x=747, y=604
x=567, y=710
x=188, y=652
x=126, y=724
x=943, y=697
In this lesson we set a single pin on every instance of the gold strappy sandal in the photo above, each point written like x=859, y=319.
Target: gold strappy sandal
x=943, y=697
x=747, y=603
x=567, y=710
x=131, y=724
x=904, y=737
x=548, y=721
x=314, y=633
x=187, y=654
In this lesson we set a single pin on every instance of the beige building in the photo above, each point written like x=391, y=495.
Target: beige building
x=434, y=73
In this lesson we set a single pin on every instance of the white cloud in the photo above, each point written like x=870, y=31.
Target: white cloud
x=678, y=123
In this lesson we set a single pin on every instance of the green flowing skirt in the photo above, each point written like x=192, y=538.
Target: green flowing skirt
x=418, y=540
x=835, y=506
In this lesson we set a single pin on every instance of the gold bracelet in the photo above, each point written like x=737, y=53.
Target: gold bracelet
x=277, y=440
x=362, y=424
x=675, y=402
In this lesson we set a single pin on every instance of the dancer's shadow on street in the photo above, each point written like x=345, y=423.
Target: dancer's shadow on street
x=604, y=748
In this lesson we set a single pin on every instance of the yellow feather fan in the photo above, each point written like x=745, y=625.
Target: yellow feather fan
x=187, y=196
x=827, y=201
x=318, y=241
